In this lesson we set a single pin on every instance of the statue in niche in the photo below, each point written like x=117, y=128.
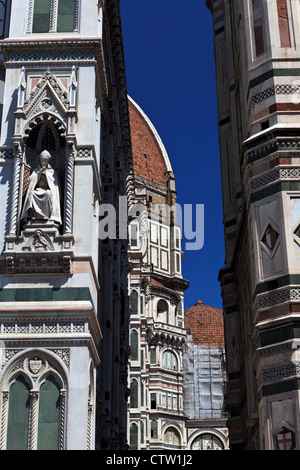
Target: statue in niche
x=42, y=201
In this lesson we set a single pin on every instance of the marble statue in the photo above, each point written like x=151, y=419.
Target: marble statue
x=42, y=201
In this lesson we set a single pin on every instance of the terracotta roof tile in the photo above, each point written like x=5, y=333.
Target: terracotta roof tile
x=206, y=324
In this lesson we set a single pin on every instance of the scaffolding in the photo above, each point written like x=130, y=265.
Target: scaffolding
x=203, y=381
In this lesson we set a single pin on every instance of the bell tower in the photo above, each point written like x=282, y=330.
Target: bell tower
x=257, y=53
x=55, y=117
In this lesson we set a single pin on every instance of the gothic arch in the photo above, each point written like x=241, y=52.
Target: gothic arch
x=134, y=344
x=162, y=311
x=11, y=378
x=173, y=354
x=19, y=365
x=134, y=302
x=134, y=436
x=45, y=132
x=44, y=121
x=134, y=396
x=172, y=427
x=196, y=435
x=37, y=367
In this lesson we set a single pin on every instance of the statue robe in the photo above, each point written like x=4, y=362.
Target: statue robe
x=42, y=200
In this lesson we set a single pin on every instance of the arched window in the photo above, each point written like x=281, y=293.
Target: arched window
x=133, y=394
x=32, y=412
x=133, y=437
x=134, y=345
x=142, y=432
x=207, y=442
x=49, y=415
x=171, y=437
x=54, y=15
x=162, y=311
x=169, y=360
x=154, y=433
x=134, y=302
x=142, y=393
x=18, y=415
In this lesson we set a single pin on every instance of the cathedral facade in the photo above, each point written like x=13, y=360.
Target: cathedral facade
x=64, y=153
x=176, y=376
x=257, y=53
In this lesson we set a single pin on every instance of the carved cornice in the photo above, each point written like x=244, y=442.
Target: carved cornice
x=165, y=334
x=21, y=45
x=13, y=50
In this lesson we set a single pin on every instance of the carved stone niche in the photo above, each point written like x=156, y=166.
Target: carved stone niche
x=40, y=238
x=38, y=241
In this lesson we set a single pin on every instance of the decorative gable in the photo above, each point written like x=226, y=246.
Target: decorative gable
x=49, y=95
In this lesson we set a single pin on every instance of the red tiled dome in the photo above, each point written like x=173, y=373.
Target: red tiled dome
x=149, y=156
x=205, y=324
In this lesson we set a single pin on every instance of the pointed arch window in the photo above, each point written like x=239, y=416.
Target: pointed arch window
x=33, y=418
x=49, y=415
x=134, y=345
x=18, y=415
x=162, y=311
x=53, y=16
x=134, y=302
x=134, y=394
x=133, y=437
x=154, y=429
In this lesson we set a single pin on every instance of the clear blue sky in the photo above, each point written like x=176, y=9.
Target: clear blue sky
x=170, y=72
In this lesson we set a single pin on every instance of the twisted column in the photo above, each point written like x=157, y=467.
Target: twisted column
x=69, y=183
x=18, y=154
x=34, y=396
x=30, y=17
x=89, y=426
x=5, y=397
x=53, y=15
x=63, y=394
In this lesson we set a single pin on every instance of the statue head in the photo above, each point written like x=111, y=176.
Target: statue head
x=45, y=158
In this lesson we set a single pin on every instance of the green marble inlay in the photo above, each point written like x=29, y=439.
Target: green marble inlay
x=278, y=335
x=273, y=73
x=45, y=294
x=281, y=387
x=290, y=279
x=275, y=188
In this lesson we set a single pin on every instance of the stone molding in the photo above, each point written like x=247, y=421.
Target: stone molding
x=290, y=294
x=282, y=173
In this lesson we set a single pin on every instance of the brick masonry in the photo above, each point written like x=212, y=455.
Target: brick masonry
x=147, y=158
x=205, y=323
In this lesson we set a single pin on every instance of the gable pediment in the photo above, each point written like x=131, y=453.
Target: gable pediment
x=47, y=95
